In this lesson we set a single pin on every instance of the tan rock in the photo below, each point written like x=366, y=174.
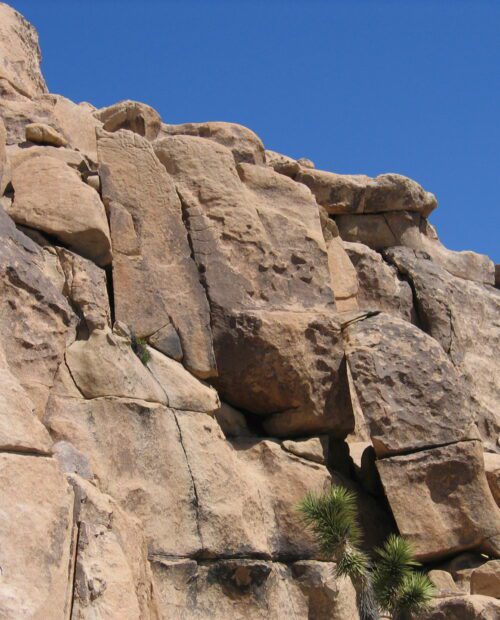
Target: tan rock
x=228, y=590
x=313, y=449
x=3, y=154
x=36, y=320
x=51, y=197
x=306, y=163
x=244, y=144
x=72, y=461
x=485, y=580
x=132, y=115
x=232, y=422
x=410, y=393
x=462, y=566
x=380, y=288
x=492, y=469
x=74, y=122
x=105, y=365
x=344, y=277
x=381, y=230
x=40, y=133
x=282, y=163
x=20, y=429
x=112, y=577
x=463, y=608
x=451, y=506
x=136, y=453
x=342, y=193
x=443, y=582
x=20, y=53
x=463, y=317
x=167, y=341
x=182, y=389
x=155, y=279
x=85, y=285
x=36, y=523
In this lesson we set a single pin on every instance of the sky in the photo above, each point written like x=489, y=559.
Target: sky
x=359, y=86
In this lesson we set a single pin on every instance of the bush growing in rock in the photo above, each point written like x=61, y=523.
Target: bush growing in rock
x=389, y=586
x=139, y=347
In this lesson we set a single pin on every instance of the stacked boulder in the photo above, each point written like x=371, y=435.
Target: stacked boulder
x=195, y=332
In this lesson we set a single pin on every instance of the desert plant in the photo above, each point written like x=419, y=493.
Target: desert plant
x=390, y=585
x=139, y=347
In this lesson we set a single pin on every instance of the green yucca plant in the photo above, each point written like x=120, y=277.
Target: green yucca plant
x=390, y=585
x=140, y=348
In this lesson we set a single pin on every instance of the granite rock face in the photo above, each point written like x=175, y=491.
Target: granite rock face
x=195, y=332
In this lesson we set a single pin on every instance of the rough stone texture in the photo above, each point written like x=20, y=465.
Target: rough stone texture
x=344, y=277
x=381, y=230
x=409, y=391
x=51, y=197
x=167, y=341
x=492, y=469
x=155, y=278
x=3, y=153
x=463, y=608
x=233, y=423
x=20, y=429
x=85, y=286
x=132, y=115
x=485, y=580
x=452, y=509
x=136, y=454
x=380, y=288
x=105, y=365
x=241, y=141
x=182, y=389
x=241, y=589
x=112, y=576
x=20, y=53
x=36, y=522
x=313, y=449
x=443, y=582
x=282, y=163
x=343, y=193
x=39, y=133
x=464, y=317
x=36, y=321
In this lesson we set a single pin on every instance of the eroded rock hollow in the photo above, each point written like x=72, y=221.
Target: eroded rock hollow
x=197, y=331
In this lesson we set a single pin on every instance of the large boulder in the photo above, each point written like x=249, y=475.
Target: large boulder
x=36, y=530
x=20, y=53
x=492, y=469
x=245, y=145
x=462, y=316
x=441, y=500
x=36, y=320
x=380, y=287
x=51, y=197
x=257, y=239
x=344, y=193
x=3, y=154
x=132, y=115
x=474, y=607
x=155, y=280
x=381, y=230
x=111, y=573
x=410, y=393
x=345, y=283
x=485, y=579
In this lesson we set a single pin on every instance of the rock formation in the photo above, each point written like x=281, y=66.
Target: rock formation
x=195, y=332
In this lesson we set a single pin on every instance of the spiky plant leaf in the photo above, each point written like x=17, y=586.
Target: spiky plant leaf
x=352, y=563
x=414, y=595
x=332, y=518
x=394, y=563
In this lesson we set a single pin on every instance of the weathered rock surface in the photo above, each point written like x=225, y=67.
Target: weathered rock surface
x=3, y=154
x=381, y=230
x=345, y=283
x=39, y=133
x=20, y=53
x=485, y=580
x=36, y=522
x=314, y=449
x=343, y=193
x=463, y=608
x=241, y=141
x=155, y=279
x=132, y=115
x=36, y=320
x=452, y=507
x=492, y=469
x=410, y=393
x=464, y=317
x=380, y=288
x=51, y=197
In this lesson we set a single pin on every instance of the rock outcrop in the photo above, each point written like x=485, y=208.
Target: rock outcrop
x=196, y=332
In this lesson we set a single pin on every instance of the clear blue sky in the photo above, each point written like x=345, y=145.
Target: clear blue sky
x=357, y=86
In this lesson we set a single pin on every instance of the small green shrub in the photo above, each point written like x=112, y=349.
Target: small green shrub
x=139, y=347
x=390, y=585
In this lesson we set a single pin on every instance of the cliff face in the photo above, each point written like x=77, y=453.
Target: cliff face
x=195, y=332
